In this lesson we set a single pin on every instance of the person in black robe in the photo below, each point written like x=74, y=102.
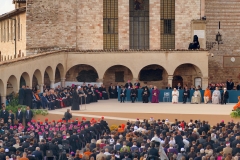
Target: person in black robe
x=21, y=95
x=87, y=99
x=96, y=90
x=104, y=93
x=75, y=99
x=134, y=94
x=145, y=95
x=92, y=93
x=186, y=95
x=224, y=96
x=115, y=92
x=110, y=91
x=28, y=97
x=51, y=103
x=69, y=97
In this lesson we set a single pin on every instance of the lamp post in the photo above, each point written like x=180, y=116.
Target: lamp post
x=15, y=36
x=218, y=39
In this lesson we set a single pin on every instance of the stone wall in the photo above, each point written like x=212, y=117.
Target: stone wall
x=185, y=11
x=188, y=72
x=109, y=76
x=64, y=24
x=227, y=12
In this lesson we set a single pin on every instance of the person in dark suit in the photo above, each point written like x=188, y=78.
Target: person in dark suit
x=179, y=140
x=4, y=114
x=110, y=91
x=137, y=84
x=153, y=152
x=238, y=87
x=178, y=87
x=134, y=94
x=67, y=115
x=224, y=96
x=168, y=87
x=44, y=101
x=19, y=115
x=28, y=97
x=21, y=95
x=231, y=84
x=186, y=95
x=228, y=84
x=128, y=85
x=28, y=115
x=11, y=116
x=37, y=153
x=123, y=94
x=54, y=147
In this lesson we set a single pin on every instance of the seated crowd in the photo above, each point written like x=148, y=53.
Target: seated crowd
x=139, y=140
x=60, y=97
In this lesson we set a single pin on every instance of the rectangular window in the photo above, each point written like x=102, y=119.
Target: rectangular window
x=119, y=76
x=110, y=24
x=18, y=28
x=139, y=24
x=167, y=14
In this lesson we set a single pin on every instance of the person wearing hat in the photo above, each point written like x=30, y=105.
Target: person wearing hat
x=227, y=150
x=224, y=96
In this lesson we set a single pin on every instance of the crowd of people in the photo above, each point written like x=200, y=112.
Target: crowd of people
x=80, y=139
x=54, y=98
x=76, y=96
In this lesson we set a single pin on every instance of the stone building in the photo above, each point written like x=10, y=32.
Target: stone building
x=118, y=40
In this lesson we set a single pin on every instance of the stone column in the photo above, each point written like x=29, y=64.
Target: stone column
x=202, y=8
x=170, y=79
x=204, y=82
x=52, y=84
x=3, y=99
x=63, y=82
x=41, y=87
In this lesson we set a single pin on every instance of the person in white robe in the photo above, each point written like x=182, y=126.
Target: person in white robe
x=216, y=96
x=175, y=95
x=196, y=98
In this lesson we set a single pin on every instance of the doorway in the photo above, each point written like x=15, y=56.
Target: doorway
x=176, y=80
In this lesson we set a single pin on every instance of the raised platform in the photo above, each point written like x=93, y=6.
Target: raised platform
x=117, y=113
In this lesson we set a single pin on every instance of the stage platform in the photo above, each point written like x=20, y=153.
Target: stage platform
x=117, y=113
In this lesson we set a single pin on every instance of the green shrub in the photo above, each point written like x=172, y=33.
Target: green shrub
x=14, y=105
x=235, y=114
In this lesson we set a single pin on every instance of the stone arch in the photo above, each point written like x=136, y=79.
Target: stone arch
x=188, y=72
x=37, y=78
x=118, y=74
x=82, y=73
x=12, y=85
x=50, y=73
x=59, y=73
x=153, y=74
x=25, y=80
x=48, y=76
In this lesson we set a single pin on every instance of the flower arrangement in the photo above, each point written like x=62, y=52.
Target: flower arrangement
x=113, y=127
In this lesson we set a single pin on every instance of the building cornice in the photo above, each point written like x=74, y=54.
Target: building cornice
x=12, y=13
x=89, y=52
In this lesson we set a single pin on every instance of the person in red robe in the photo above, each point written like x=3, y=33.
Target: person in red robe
x=155, y=94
